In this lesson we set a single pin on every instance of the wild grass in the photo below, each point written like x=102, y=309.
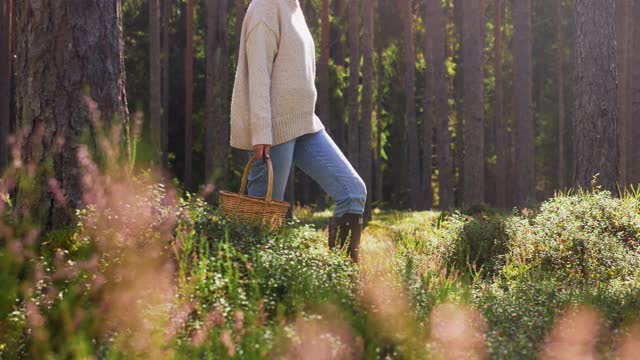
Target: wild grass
x=149, y=273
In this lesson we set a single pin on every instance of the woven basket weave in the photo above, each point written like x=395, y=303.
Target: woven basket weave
x=254, y=209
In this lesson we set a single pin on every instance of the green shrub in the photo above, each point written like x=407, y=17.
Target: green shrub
x=473, y=244
x=589, y=238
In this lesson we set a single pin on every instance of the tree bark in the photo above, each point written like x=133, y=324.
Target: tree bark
x=155, y=74
x=239, y=156
x=378, y=194
x=525, y=125
x=67, y=51
x=354, y=82
x=633, y=126
x=166, y=54
x=426, y=142
x=436, y=24
x=412, y=168
x=6, y=31
x=240, y=13
x=472, y=48
x=217, y=128
x=188, y=95
x=458, y=96
x=562, y=162
x=500, y=128
x=336, y=123
x=624, y=50
x=366, y=153
x=596, y=103
x=323, y=65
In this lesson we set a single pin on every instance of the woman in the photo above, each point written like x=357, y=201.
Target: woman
x=272, y=114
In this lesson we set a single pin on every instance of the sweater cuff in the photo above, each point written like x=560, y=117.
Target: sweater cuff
x=261, y=132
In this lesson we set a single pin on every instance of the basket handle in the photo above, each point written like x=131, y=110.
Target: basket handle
x=245, y=178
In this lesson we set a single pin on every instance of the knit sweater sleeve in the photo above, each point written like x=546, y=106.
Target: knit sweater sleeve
x=261, y=49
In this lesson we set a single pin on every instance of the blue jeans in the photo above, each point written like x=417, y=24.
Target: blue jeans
x=319, y=157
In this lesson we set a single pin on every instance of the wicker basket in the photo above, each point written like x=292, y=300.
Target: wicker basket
x=253, y=209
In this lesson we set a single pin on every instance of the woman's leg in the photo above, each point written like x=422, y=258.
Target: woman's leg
x=319, y=157
x=281, y=158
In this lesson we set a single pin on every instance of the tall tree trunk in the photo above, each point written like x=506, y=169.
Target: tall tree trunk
x=155, y=74
x=500, y=128
x=411, y=169
x=562, y=162
x=188, y=95
x=354, y=81
x=426, y=142
x=525, y=125
x=336, y=123
x=366, y=153
x=67, y=51
x=596, y=103
x=166, y=54
x=436, y=23
x=217, y=128
x=458, y=96
x=239, y=156
x=6, y=31
x=624, y=37
x=620, y=31
x=378, y=195
x=211, y=171
x=633, y=126
x=472, y=48
x=323, y=65
x=240, y=12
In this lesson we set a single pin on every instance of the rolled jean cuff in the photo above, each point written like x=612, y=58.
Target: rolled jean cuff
x=353, y=206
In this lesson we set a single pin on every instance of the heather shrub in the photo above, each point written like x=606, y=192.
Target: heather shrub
x=472, y=244
x=590, y=238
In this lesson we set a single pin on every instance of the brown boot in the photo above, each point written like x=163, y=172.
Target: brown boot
x=346, y=229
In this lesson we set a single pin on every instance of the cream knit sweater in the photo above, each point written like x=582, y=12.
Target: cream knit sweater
x=274, y=95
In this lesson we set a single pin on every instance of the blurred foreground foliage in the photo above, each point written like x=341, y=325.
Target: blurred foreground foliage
x=151, y=274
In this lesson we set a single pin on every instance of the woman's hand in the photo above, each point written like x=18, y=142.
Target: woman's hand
x=260, y=150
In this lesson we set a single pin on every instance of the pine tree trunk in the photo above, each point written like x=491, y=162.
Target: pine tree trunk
x=166, y=54
x=240, y=12
x=500, y=128
x=523, y=92
x=6, y=31
x=354, y=81
x=323, y=65
x=188, y=95
x=436, y=30
x=336, y=122
x=378, y=194
x=633, y=126
x=562, y=162
x=366, y=153
x=217, y=128
x=155, y=74
x=212, y=173
x=239, y=156
x=412, y=167
x=596, y=103
x=426, y=142
x=621, y=51
x=632, y=34
x=472, y=48
x=67, y=51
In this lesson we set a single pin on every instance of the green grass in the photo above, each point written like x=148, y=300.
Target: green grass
x=240, y=291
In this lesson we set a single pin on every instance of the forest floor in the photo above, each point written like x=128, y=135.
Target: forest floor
x=561, y=280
